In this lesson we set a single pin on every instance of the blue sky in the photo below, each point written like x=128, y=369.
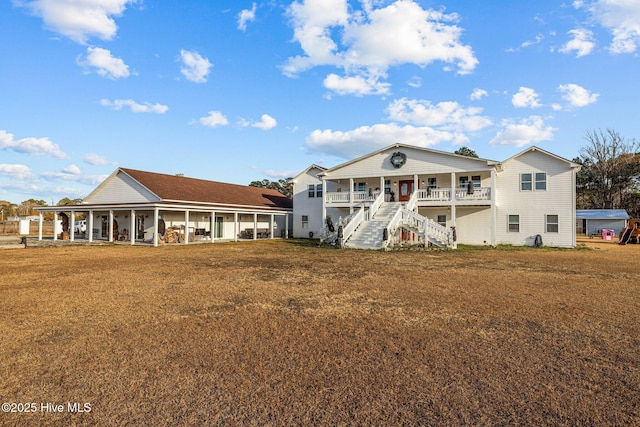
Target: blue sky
x=238, y=91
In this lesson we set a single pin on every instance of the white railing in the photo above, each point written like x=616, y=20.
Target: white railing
x=427, y=228
x=434, y=194
x=345, y=196
x=354, y=222
x=393, y=225
x=413, y=200
x=376, y=205
x=444, y=194
x=439, y=232
x=482, y=193
x=336, y=197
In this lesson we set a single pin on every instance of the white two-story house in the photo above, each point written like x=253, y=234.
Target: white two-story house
x=404, y=194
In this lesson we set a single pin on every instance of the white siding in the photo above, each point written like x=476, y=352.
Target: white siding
x=120, y=188
x=303, y=205
x=473, y=225
x=419, y=162
x=533, y=206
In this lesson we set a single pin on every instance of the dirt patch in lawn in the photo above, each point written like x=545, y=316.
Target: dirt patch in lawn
x=286, y=333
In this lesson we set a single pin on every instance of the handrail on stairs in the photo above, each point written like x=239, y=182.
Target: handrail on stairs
x=413, y=201
x=348, y=229
x=376, y=205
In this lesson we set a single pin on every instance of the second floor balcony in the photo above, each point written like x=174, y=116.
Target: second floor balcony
x=425, y=196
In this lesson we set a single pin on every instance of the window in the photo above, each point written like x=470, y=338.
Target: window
x=387, y=186
x=477, y=182
x=551, y=223
x=305, y=222
x=360, y=186
x=442, y=220
x=463, y=181
x=514, y=224
x=525, y=182
x=312, y=190
x=319, y=190
x=541, y=181
x=432, y=182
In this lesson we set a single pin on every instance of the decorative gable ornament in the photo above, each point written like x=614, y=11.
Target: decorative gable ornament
x=398, y=159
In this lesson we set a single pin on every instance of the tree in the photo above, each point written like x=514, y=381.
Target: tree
x=610, y=173
x=466, y=151
x=284, y=186
x=6, y=209
x=69, y=202
x=26, y=208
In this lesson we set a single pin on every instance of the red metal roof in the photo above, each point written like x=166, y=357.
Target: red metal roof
x=180, y=188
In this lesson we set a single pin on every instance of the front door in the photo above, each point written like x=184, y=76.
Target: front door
x=406, y=188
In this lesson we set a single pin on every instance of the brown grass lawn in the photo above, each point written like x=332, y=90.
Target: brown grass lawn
x=285, y=333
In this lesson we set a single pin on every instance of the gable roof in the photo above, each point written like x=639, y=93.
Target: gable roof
x=534, y=148
x=178, y=188
x=409, y=147
x=313, y=166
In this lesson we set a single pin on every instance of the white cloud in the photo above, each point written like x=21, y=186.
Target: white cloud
x=79, y=20
x=67, y=175
x=527, y=131
x=266, y=122
x=577, y=96
x=582, y=42
x=365, y=43
x=356, y=85
x=33, y=146
x=281, y=173
x=478, y=94
x=364, y=139
x=194, y=67
x=444, y=115
x=246, y=15
x=105, y=64
x=19, y=172
x=215, y=118
x=96, y=160
x=622, y=18
x=415, y=82
x=72, y=169
x=526, y=97
x=147, y=107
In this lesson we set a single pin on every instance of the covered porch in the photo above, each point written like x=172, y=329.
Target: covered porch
x=465, y=188
x=158, y=224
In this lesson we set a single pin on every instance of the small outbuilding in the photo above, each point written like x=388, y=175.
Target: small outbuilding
x=592, y=221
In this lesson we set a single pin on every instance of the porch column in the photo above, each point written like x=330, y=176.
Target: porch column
x=212, y=224
x=272, y=220
x=453, y=214
x=186, y=227
x=235, y=226
x=453, y=186
x=156, y=218
x=132, y=227
x=110, y=226
x=493, y=185
x=382, y=187
x=255, y=226
x=350, y=195
x=55, y=224
x=416, y=183
x=90, y=226
x=40, y=224
x=286, y=226
x=324, y=205
x=72, y=226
